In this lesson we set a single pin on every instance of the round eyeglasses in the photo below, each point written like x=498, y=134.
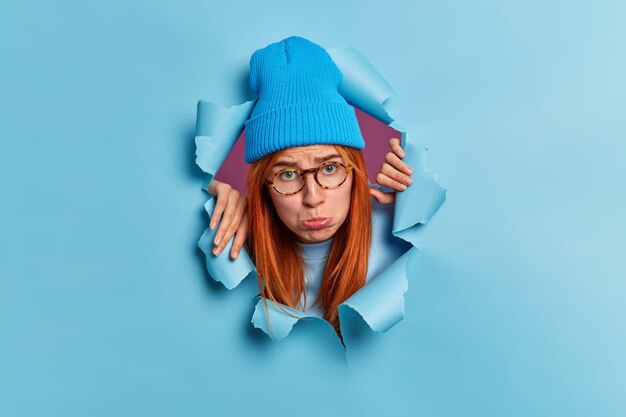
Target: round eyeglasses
x=328, y=175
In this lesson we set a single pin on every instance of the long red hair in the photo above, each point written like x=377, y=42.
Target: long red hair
x=273, y=247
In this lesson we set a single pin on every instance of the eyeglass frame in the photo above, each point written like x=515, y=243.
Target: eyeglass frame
x=302, y=172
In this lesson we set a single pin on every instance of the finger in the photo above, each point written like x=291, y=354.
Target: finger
x=222, y=239
x=384, y=180
x=229, y=214
x=396, y=148
x=393, y=160
x=240, y=237
x=394, y=178
x=396, y=175
x=220, y=204
x=381, y=197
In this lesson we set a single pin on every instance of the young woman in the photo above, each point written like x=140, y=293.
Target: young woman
x=307, y=220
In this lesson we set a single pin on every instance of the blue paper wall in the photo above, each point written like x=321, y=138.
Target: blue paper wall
x=105, y=308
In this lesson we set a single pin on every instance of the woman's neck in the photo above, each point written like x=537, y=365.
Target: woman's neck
x=315, y=251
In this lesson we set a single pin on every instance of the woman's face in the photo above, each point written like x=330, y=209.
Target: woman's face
x=313, y=214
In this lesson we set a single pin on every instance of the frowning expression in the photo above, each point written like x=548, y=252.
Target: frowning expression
x=314, y=214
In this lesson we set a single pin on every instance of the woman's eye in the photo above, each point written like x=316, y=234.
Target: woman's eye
x=330, y=169
x=287, y=175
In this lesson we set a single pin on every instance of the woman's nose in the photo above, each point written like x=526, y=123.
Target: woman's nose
x=313, y=193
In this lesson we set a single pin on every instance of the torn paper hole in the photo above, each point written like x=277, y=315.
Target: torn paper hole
x=380, y=303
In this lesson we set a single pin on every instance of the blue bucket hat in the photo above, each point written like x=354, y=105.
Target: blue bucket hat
x=298, y=105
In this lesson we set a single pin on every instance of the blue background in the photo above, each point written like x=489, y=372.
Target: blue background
x=517, y=303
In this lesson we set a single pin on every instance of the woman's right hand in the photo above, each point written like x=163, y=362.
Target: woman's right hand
x=232, y=208
x=394, y=173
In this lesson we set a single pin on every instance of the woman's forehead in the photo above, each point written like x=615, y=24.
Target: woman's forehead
x=307, y=153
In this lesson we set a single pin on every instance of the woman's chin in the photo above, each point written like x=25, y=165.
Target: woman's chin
x=316, y=236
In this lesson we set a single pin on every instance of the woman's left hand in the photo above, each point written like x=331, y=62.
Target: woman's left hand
x=393, y=174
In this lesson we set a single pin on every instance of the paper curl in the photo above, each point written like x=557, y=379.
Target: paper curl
x=217, y=130
x=222, y=268
x=380, y=302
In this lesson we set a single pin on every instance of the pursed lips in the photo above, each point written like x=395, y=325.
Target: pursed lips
x=315, y=223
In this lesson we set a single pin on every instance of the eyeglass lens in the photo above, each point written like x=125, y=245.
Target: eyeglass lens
x=329, y=175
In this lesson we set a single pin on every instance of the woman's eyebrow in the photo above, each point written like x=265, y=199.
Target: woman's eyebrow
x=286, y=164
x=321, y=159
x=318, y=160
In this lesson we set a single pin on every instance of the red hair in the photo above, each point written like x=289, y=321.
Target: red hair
x=273, y=247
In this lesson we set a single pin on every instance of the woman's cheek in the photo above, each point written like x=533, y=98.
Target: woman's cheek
x=288, y=212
